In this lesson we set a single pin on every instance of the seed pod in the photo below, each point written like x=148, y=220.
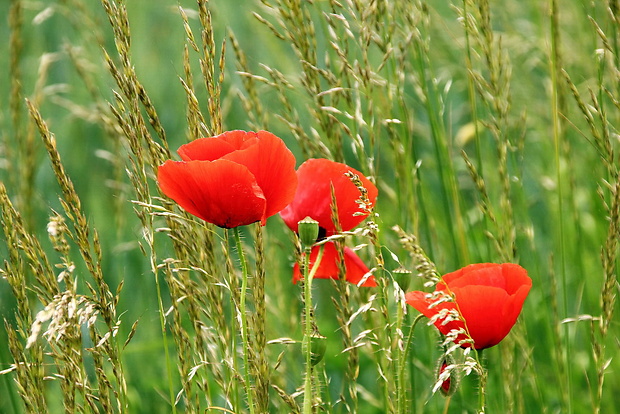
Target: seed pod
x=308, y=229
x=318, y=344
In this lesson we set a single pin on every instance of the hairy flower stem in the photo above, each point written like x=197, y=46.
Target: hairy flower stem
x=243, y=321
x=308, y=276
x=403, y=351
x=482, y=382
x=261, y=367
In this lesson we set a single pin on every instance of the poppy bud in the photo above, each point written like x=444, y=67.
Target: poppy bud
x=308, y=230
x=446, y=380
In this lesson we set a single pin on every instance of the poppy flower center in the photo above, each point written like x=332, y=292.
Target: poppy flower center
x=322, y=234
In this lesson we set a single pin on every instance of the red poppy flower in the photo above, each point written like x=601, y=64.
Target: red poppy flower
x=313, y=197
x=328, y=268
x=488, y=296
x=233, y=179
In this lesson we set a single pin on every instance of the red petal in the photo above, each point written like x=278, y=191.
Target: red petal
x=516, y=278
x=484, y=274
x=205, y=149
x=329, y=269
x=482, y=308
x=313, y=197
x=273, y=165
x=221, y=192
x=447, y=384
x=489, y=297
x=507, y=276
x=356, y=269
x=212, y=148
x=240, y=139
x=421, y=303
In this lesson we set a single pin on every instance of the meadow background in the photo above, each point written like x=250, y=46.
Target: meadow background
x=489, y=128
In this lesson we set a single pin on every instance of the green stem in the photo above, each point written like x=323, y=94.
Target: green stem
x=162, y=322
x=258, y=291
x=482, y=381
x=446, y=406
x=471, y=89
x=553, y=17
x=4, y=363
x=244, y=323
x=449, y=189
x=401, y=400
x=308, y=276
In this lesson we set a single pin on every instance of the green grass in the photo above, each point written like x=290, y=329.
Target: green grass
x=490, y=139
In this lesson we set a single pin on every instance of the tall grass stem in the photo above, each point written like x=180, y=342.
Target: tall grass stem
x=553, y=20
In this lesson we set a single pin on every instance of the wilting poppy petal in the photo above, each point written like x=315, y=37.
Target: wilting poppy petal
x=313, y=196
x=329, y=266
x=273, y=165
x=488, y=296
x=221, y=192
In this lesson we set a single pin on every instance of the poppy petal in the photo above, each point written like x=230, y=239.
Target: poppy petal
x=205, y=149
x=476, y=275
x=516, y=278
x=240, y=139
x=220, y=192
x=313, y=197
x=329, y=268
x=273, y=165
x=422, y=304
x=482, y=308
x=489, y=297
x=356, y=269
x=212, y=148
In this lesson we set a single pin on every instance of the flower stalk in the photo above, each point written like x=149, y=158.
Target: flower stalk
x=243, y=321
x=308, y=326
